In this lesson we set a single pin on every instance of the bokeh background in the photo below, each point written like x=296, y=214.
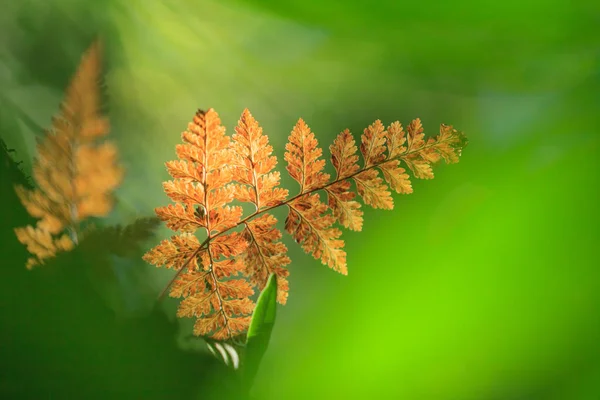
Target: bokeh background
x=481, y=285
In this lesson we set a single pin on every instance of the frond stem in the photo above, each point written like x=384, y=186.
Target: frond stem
x=260, y=252
x=73, y=206
x=219, y=298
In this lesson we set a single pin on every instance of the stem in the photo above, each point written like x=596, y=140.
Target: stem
x=209, y=230
x=73, y=224
x=259, y=249
x=219, y=298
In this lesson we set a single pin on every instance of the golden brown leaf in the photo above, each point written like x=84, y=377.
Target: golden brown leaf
x=224, y=218
x=372, y=189
x=340, y=198
x=255, y=164
x=42, y=244
x=184, y=191
x=173, y=252
x=303, y=160
x=95, y=180
x=396, y=177
x=230, y=245
x=345, y=209
x=266, y=255
x=373, y=144
x=228, y=267
x=418, y=157
x=395, y=140
x=420, y=167
x=416, y=136
x=449, y=144
x=180, y=218
x=189, y=285
x=184, y=170
x=343, y=155
x=309, y=225
x=421, y=155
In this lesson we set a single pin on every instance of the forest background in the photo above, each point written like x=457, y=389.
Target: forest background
x=482, y=284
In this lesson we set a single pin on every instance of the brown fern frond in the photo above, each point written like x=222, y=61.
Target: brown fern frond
x=207, y=178
x=74, y=173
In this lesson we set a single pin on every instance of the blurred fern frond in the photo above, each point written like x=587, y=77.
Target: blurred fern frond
x=74, y=172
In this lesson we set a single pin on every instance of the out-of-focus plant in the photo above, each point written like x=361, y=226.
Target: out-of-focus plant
x=74, y=173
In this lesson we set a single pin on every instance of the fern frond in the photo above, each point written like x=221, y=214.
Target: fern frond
x=209, y=177
x=75, y=175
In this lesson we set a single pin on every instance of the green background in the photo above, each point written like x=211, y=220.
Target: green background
x=483, y=283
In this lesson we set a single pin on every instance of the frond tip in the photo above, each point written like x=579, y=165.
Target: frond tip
x=218, y=276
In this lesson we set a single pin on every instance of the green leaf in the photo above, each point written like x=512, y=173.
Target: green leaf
x=260, y=329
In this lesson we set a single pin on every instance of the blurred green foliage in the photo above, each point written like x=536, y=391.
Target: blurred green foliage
x=481, y=285
x=68, y=332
